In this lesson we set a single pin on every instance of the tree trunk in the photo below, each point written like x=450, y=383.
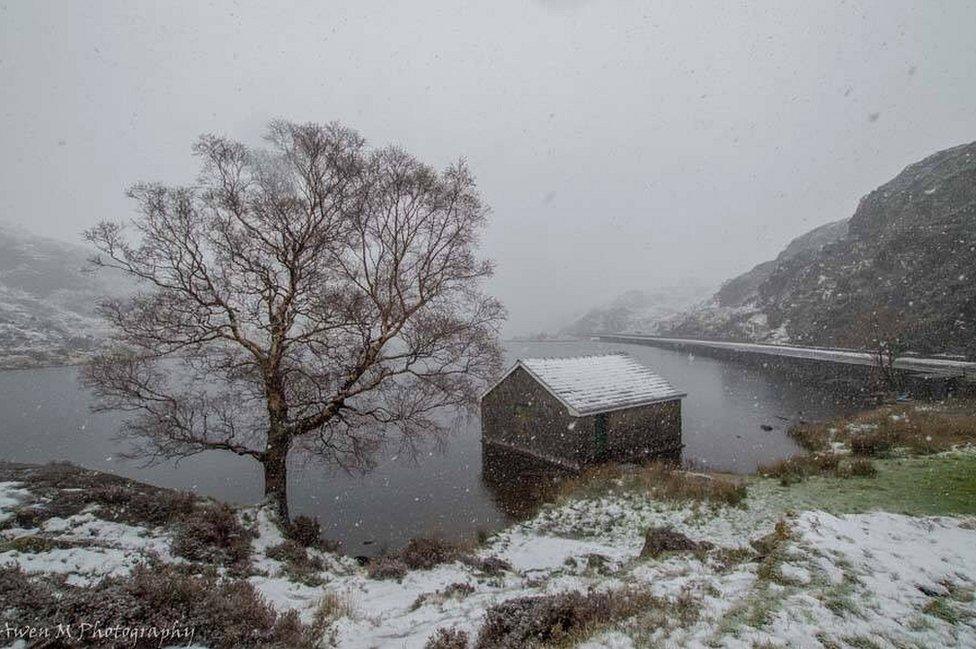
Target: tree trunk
x=275, y=464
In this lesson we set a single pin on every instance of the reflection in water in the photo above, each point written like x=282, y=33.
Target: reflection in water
x=516, y=481
x=519, y=483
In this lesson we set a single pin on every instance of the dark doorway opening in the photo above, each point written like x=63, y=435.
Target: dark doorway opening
x=600, y=436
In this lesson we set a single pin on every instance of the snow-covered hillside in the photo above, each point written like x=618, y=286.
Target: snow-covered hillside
x=638, y=310
x=47, y=301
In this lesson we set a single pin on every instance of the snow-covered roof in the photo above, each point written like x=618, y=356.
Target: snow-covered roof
x=588, y=385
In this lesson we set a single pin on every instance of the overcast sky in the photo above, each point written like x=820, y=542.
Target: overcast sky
x=620, y=144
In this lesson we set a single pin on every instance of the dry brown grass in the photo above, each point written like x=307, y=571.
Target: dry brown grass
x=800, y=467
x=330, y=608
x=876, y=433
x=658, y=480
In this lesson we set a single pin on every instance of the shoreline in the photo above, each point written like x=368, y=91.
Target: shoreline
x=588, y=542
x=711, y=560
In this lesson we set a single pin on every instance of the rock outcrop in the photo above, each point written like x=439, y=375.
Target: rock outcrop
x=899, y=271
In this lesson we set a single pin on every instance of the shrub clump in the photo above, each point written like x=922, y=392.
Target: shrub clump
x=555, y=619
x=31, y=544
x=425, y=553
x=491, y=566
x=658, y=540
x=457, y=590
x=63, y=490
x=220, y=613
x=875, y=443
x=447, y=639
x=941, y=608
x=300, y=565
x=387, y=567
x=124, y=503
x=213, y=534
x=306, y=531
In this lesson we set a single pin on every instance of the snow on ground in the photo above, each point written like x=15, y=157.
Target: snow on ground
x=86, y=549
x=880, y=578
x=11, y=495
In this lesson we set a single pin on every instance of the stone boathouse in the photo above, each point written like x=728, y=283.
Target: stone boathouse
x=583, y=410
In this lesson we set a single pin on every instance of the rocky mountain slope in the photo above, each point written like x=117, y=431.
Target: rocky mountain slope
x=47, y=302
x=900, y=270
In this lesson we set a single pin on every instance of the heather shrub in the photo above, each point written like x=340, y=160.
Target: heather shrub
x=223, y=613
x=32, y=544
x=123, y=503
x=425, y=553
x=814, y=437
x=65, y=490
x=305, y=531
x=658, y=540
x=457, y=590
x=447, y=639
x=28, y=517
x=388, y=567
x=491, y=566
x=299, y=565
x=213, y=534
x=23, y=596
x=557, y=619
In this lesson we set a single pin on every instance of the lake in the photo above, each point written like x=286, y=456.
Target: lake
x=44, y=416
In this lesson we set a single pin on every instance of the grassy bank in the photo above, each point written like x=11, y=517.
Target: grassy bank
x=927, y=485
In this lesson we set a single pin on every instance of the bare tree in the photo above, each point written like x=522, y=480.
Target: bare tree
x=312, y=292
x=887, y=330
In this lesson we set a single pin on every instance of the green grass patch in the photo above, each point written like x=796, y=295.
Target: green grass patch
x=918, y=486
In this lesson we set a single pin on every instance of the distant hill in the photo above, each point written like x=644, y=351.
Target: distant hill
x=900, y=269
x=638, y=310
x=47, y=304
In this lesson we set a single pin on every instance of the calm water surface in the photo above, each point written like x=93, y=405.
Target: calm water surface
x=44, y=416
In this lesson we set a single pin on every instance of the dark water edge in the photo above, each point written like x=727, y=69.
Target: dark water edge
x=451, y=488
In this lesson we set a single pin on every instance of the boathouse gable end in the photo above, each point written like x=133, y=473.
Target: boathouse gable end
x=520, y=413
x=583, y=410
